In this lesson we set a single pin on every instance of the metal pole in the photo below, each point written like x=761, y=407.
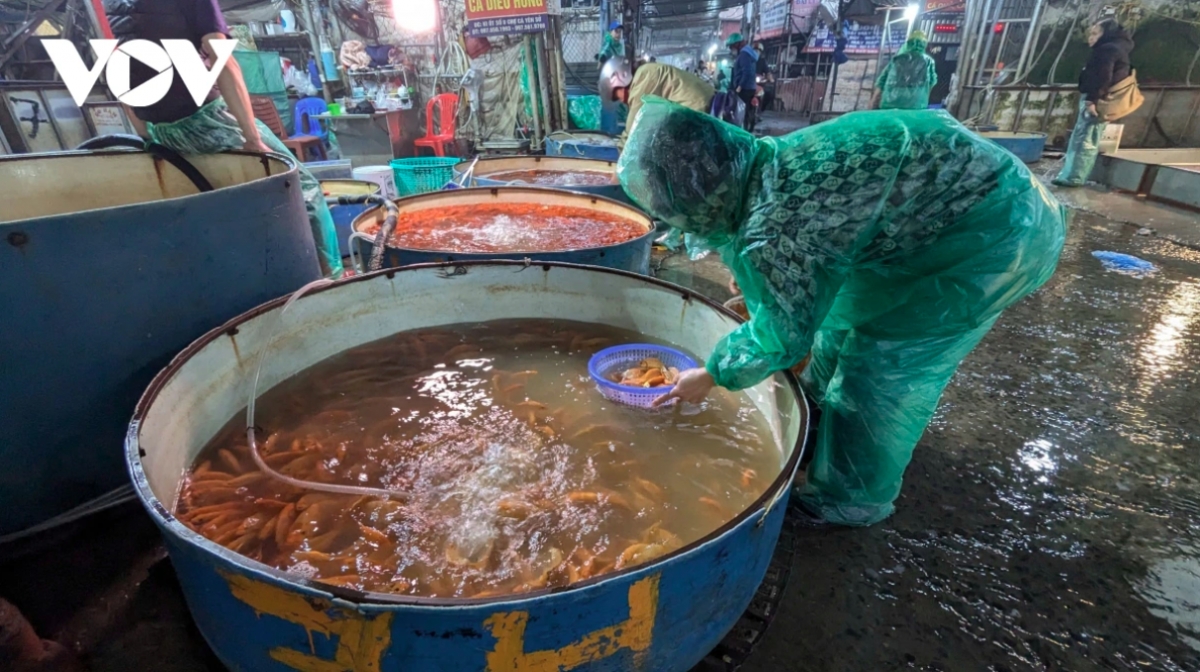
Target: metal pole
x=991, y=34
x=315, y=45
x=560, y=76
x=543, y=79
x=1000, y=48
x=1035, y=28
x=788, y=49
x=964, y=52
x=887, y=28
x=95, y=10
x=973, y=59
x=533, y=96
x=812, y=89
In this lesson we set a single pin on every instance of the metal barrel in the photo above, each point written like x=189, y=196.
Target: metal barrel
x=344, y=215
x=486, y=173
x=663, y=616
x=111, y=262
x=632, y=255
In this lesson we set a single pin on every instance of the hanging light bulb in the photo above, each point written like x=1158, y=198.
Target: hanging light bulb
x=415, y=16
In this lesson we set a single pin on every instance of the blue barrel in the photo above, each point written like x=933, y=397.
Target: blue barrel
x=344, y=215
x=663, y=616
x=1028, y=147
x=632, y=255
x=111, y=263
x=488, y=173
x=583, y=145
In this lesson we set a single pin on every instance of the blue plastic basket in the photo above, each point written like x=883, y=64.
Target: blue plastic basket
x=620, y=357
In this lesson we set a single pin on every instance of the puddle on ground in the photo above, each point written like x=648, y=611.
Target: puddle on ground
x=1051, y=516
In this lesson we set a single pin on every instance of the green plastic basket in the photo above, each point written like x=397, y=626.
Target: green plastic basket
x=422, y=175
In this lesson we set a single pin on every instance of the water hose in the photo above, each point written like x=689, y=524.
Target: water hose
x=385, y=231
x=251, y=433
x=153, y=149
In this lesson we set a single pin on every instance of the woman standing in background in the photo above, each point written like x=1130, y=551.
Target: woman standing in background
x=1107, y=65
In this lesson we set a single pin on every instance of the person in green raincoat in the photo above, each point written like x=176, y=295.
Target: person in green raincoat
x=225, y=120
x=613, y=44
x=886, y=243
x=907, y=79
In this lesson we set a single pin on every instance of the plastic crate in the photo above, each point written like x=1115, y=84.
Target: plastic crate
x=422, y=175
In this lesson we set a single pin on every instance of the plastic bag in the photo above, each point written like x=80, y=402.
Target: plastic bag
x=213, y=129
x=728, y=107
x=584, y=112
x=886, y=242
x=300, y=81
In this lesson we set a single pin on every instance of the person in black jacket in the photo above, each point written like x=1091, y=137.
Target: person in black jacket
x=1107, y=65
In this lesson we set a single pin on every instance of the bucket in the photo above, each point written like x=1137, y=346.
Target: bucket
x=664, y=616
x=102, y=283
x=381, y=175
x=344, y=215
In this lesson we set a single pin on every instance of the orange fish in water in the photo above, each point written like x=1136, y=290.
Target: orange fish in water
x=649, y=372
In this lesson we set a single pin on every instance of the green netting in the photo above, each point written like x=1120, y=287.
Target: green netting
x=886, y=243
x=263, y=73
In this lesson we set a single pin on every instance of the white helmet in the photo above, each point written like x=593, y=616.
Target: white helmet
x=616, y=74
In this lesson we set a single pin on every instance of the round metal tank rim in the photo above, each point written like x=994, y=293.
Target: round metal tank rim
x=158, y=510
x=293, y=166
x=495, y=191
x=596, y=164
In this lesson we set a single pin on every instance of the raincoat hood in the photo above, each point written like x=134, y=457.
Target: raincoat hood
x=688, y=169
x=915, y=45
x=749, y=51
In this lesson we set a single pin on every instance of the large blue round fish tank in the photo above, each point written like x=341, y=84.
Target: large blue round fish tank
x=631, y=255
x=111, y=262
x=664, y=616
x=490, y=173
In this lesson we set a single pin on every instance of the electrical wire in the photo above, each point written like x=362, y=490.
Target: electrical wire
x=108, y=500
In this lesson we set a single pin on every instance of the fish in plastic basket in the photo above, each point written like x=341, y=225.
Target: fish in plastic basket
x=611, y=365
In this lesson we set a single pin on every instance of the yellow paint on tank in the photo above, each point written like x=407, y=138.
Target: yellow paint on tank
x=635, y=634
x=361, y=640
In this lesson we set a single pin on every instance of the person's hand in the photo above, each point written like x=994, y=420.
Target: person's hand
x=738, y=90
x=1091, y=110
x=257, y=146
x=693, y=386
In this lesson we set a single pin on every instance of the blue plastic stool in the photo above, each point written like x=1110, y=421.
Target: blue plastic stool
x=311, y=107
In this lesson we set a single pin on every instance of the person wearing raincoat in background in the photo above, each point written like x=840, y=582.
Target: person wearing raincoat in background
x=613, y=44
x=225, y=121
x=886, y=243
x=908, y=78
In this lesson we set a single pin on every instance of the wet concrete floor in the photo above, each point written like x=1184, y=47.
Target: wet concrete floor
x=1050, y=519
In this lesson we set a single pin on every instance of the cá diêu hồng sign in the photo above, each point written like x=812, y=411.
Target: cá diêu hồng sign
x=488, y=18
